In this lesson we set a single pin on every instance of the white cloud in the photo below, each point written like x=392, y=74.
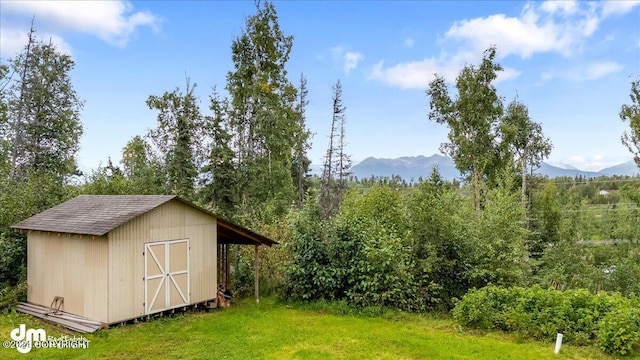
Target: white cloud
x=418, y=74
x=560, y=27
x=408, y=75
x=13, y=41
x=408, y=42
x=511, y=35
x=351, y=60
x=348, y=59
x=591, y=71
x=597, y=70
x=111, y=21
x=553, y=26
x=565, y=7
x=587, y=72
x=611, y=8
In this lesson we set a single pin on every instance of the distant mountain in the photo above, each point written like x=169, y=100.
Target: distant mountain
x=408, y=167
x=414, y=167
x=554, y=171
x=628, y=168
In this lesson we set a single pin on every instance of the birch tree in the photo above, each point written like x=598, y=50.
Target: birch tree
x=523, y=138
x=472, y=118
x=263, y=117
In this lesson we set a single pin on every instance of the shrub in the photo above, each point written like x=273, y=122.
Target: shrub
x=11, y=295
x=619, y=330
x=611, y=321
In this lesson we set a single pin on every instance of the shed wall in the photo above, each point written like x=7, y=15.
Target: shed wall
x=170, y=221
x=71, y=266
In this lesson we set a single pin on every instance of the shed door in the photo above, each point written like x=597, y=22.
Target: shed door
x=166, y=275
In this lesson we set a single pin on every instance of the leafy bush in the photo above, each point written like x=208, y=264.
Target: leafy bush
x=610, y=320
x=619, y=330
x=11, y=295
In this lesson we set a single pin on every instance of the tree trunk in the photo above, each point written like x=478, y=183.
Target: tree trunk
x=523, y=162
x=475, y=179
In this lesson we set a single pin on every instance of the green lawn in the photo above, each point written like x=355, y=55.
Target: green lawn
x=276, y=331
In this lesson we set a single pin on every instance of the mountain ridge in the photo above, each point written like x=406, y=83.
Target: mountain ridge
x=411, y=168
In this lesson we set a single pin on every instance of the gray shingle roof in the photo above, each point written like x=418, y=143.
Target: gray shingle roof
x=99, y=214
x=92, y=214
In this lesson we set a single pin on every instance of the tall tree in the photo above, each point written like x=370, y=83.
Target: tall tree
x=523, y=138
x=4, y=122
x=176, y=136
x=263, y=114
x=219, y=172
x=141, y=168
x=472, y=118
x=336, y=162
x=43, y=112
x=301, y=162
x=631, y=113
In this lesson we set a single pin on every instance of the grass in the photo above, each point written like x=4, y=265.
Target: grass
x=273, y=330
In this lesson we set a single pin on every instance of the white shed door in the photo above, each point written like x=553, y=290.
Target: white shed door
x=166, y=275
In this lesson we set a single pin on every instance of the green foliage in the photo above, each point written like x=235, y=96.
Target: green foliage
x=380, y=274
x=523, y=138
x=301, y=162
x=43, y=126
x=262, y=114
x=619, y=330
x=472, y=119
x=610, y=320
x=144, y=172
x=416, y=252
x=11, y=295
x=177, y=137
x=499, y=253
x=545, y=217
x=335, y=170
x=219, y=186
x=631, y=113
x=309, y=274
x=437, y=220
x=14, y=253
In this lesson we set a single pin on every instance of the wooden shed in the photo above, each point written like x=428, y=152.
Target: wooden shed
x=114, y=258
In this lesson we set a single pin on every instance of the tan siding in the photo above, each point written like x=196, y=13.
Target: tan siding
x=126, y=269
x=35, y=268
x=73, y=279
x=96, y=254
x=58, y=265
x=170, y=221
x=202, y=262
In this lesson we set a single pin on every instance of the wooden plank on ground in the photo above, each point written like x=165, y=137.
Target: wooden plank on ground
x=70, y=321
x=61, y=314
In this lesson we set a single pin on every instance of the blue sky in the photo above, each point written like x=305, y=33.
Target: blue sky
x=570, y=62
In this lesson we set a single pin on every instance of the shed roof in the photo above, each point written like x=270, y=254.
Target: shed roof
x=99, y=214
